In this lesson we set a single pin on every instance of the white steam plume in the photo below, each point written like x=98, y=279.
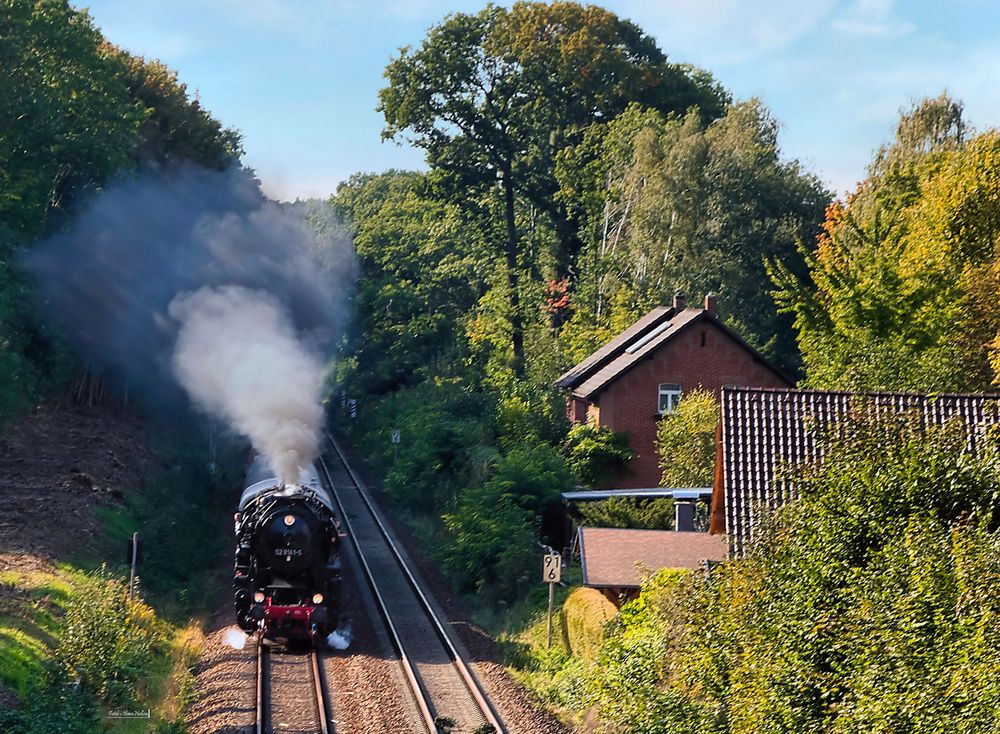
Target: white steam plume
x=339, y=639
x=239, y=358
x=235, y=638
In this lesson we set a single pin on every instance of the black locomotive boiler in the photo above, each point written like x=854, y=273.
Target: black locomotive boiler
x=287, y=576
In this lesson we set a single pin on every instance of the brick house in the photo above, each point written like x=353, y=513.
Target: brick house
x=640, y=375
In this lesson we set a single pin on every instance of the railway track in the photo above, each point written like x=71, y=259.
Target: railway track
x=446, y=691
x=291, y=695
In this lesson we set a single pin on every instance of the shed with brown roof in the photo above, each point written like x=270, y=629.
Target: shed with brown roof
x=615, y=559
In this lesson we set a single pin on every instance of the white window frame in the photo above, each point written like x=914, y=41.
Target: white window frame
x=667, y=398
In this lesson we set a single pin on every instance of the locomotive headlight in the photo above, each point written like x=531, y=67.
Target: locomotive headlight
x=259, y=597
x=289, y=520
x=317, y=598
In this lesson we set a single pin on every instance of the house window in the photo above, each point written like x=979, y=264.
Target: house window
x=670, y=395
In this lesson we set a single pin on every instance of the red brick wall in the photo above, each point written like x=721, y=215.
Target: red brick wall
x=629, y=404
x=576, y=409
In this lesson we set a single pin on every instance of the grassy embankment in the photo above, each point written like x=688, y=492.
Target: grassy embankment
x=77, y=651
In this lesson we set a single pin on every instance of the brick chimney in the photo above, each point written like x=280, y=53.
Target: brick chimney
x=678, y=301
x=710, y=303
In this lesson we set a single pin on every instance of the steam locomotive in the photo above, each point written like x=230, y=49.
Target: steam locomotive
x=287, y=576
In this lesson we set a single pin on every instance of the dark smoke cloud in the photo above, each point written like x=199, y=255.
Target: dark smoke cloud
x=107, y=283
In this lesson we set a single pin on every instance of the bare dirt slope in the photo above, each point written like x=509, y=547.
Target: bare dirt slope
x=57, y=465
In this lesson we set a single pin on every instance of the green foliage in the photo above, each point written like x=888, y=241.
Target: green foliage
x=685, y=441
x=68, y=123
x=901, y=292
x=596, y=453
x=175, y=127
x=108, y=639
x=865, y=606
x=493, y=538
x=30, y=612
x=445, y=442
x=492, y=545
x=76, y=112
x=628, y=688
x=419, y=280
x=18, y=376
x=61, y=709
x=628, y=512
x=476, y=444
x=675, y=203
x=506, y=92
x=496, y=98
x=70, y=120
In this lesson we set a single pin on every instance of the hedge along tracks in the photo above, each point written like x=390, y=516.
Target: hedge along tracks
x=447, y=692
x=291, y=696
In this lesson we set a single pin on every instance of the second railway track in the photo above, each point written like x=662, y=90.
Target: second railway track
x=447, y=692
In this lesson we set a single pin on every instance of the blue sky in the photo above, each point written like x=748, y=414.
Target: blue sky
x=299, y=78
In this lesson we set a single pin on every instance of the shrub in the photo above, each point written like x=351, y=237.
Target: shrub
x=108, y=638
x=58, y=708
x=596, y=453
x=584, y=615
x=628, y=512
x=443, y=427
x=493, y=533
x=868, y=605
x=685, y=441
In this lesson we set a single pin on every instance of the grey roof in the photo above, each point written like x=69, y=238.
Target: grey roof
x=637, y=342
x=765, y=428
x=637, y=350
x=580, y=372
x=678, y=493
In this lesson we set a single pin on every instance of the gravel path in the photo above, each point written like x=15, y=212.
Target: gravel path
x=289, y=698
x=225, y=680
x=366, y=683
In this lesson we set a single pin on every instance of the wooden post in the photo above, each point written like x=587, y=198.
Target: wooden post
x=135, y=560
x=552, y=575
x=552, y=590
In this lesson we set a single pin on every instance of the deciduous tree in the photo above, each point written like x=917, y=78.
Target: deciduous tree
x=494, y=98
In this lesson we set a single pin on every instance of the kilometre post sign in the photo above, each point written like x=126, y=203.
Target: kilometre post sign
x=551, y=575
x=552, y=568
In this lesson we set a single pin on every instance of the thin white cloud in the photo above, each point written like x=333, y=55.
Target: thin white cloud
x=717, y=33
x=873, y=18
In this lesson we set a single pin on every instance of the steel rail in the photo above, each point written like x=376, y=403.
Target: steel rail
x=260, y=685
x=411, y=676
x=317, y=689
x=468, y=677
